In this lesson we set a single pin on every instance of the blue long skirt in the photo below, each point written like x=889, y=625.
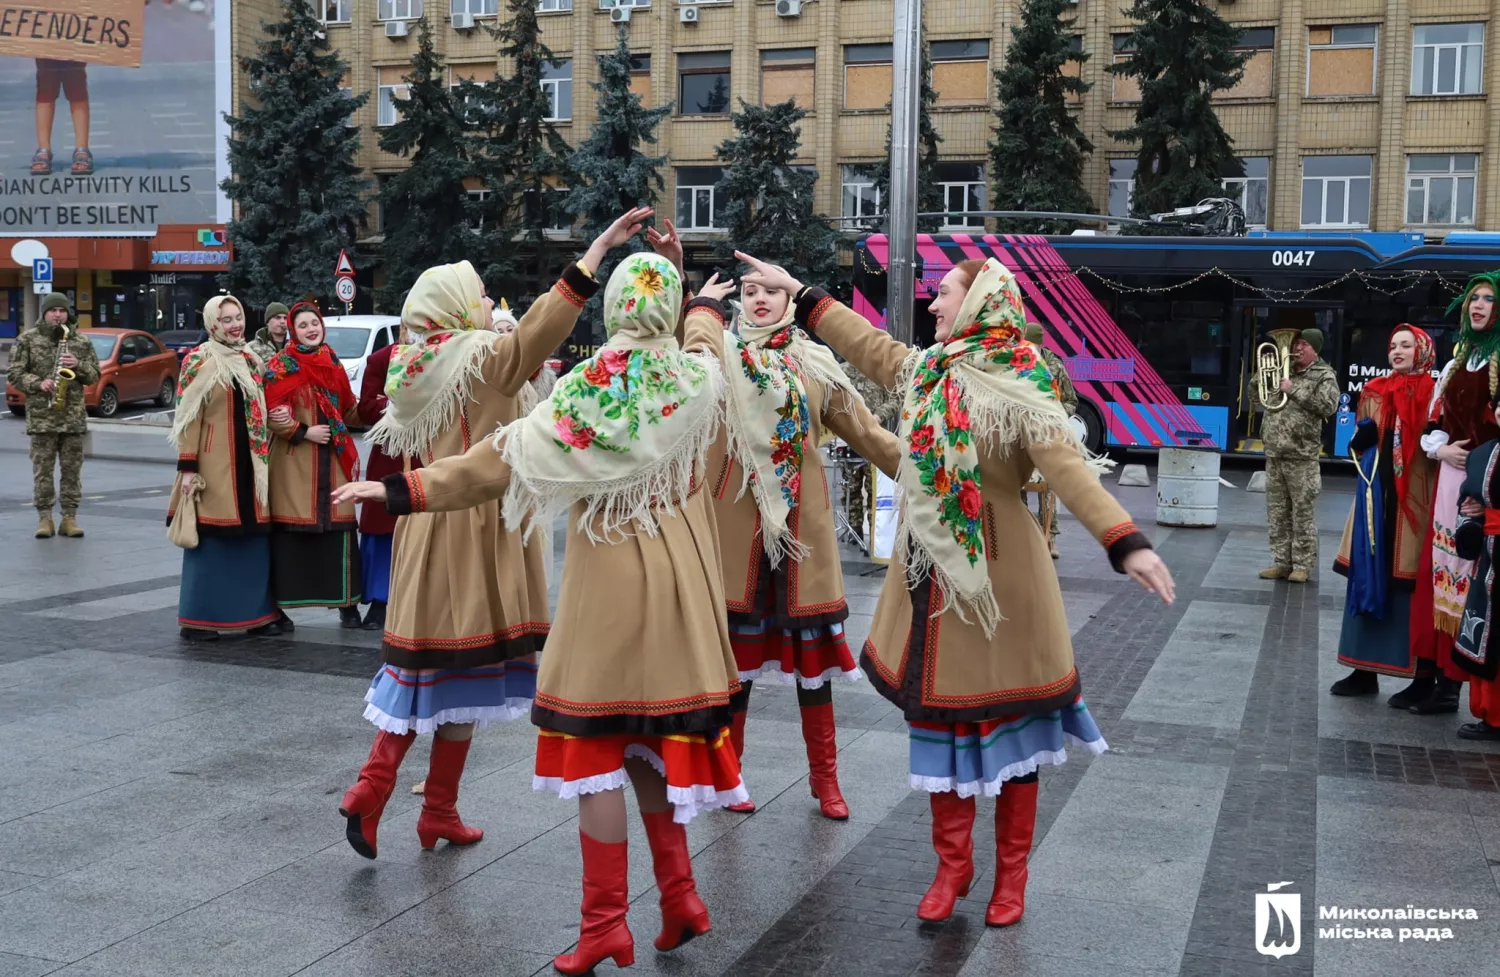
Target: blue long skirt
x=375, y=565
x=226, y=584
x=1376, y=645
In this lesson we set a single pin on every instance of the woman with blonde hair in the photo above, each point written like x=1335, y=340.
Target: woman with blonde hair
x=468, y=607
x=970, y=639
x=636, y=682
x=223, y=455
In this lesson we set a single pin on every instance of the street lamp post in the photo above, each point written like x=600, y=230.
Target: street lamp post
x=901, y=229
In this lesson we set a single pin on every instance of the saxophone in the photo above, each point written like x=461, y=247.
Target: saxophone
x=61, y=375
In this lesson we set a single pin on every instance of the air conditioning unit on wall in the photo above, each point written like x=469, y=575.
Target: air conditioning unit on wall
x=397, y=28
x=619, y=15
x=687, y=15
x=789, y=8
x=463, y=22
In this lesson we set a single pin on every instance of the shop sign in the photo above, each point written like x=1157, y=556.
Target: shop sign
x=190, y=257
x=167, y=279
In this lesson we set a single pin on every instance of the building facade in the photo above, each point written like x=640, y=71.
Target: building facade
x=1353, y=114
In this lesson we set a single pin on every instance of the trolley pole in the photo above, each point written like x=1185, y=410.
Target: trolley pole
x=906, y=87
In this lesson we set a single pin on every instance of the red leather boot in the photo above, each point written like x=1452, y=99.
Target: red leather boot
x=439, y=818
x=683, y=914
x=365, y=801
x=823, y=760
x=737, y=740
x=1015, y=823
x=606, y=899
x=953, y=840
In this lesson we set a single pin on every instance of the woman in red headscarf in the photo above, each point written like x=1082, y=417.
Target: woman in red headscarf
x=1382, y=553
x=314, y=554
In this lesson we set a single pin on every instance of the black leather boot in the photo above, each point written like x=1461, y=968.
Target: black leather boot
x=375, y=616
x=1419, y=689
x=1444, y=698
x=1357, y=682
x=349, y=616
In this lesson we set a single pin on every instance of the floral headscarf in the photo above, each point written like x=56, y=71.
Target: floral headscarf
x=984, y=386
x=313, y=373
x=228, y=363
x=432, y=377
x=1404, y=398
x=624, y=430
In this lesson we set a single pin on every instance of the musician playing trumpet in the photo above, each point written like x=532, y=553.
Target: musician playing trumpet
x=1307, y=396
x=41, y=361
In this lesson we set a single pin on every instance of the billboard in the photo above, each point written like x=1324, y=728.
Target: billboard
x=110, y=115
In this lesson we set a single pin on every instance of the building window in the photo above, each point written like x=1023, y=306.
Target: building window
x=1121, y=186
x=1259, y=43
x=1073, y=69
x=961, y=72
x=334, y=11
x=1336, y=191
x=861, y=197
x=479, y=197
x=1447, y=59
x=557, y=85
x=556, y=217
x=640, y=76
x=398, y=9
x=381, y=179
x=867, y=76
x=786, y=74
x=553, y=6
x=1124, y=88
x=963, y=193
x=1341, y=60
x=611, y=4
x=477, y=74
x=696, y=210
x=1440, y=189
x=703, y=83
x=1252, y=191
x=479, y=8
x=391, y=87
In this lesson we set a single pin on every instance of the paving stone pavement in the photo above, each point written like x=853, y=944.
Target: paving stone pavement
x=169, y=810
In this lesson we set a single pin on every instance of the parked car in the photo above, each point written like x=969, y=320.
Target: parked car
x=133, y=366
x=354, y=337
x=183, y=341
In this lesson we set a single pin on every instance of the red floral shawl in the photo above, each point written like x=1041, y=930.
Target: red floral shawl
x=312, y=373
x=1404, y=398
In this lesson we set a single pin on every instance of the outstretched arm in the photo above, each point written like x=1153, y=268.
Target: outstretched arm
x=457, y=482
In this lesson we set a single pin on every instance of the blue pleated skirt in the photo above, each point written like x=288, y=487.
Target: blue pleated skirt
x=375, y=566
x=402, y=700
x=226, y=584
x=1376, y=645
x=977, y=758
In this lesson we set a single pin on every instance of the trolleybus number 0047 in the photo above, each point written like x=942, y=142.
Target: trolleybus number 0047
x=1286, y=259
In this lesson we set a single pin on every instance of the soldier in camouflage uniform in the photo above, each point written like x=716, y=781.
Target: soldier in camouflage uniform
x=56, y=433
x=1047, y=501
x=270, y=338
x=1293, y=436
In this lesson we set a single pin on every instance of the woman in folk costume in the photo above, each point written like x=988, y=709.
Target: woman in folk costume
x=468, y=608
x=1459, y=421
x=636, y=682
x=377, y=528
x=782, y=577
x=223, y=456
x=972, y=642
x=314, y=549
x=1382, y=553
x=1477, y=651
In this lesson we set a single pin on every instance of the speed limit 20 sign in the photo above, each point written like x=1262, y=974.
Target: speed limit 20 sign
x=343, y=289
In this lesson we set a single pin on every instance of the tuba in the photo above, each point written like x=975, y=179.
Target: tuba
x=1273, y=364
x=61, y=375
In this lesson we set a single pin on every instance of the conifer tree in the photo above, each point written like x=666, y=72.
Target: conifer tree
x=298, y=193
x=427, y=208
x=1036, y=158
x=523, y=159
x=1183, y=54
x=929, y=193
x=765, y=202
x=611, y=172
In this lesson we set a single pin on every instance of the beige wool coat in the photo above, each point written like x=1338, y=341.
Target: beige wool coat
x=304, y=473
x=220, y=453
x=936, y=666
x=465, y=592
x=641, y=642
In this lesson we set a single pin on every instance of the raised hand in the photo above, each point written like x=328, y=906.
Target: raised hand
x=667, y=245
x=763, y=274
x=715, y=289
x=625, y=227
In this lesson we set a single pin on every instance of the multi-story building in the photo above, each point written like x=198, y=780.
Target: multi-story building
x=1353, y=114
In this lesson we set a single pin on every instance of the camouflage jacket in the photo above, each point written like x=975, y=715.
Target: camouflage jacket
x=884, y=404
x=264, y=346
x=1065, y=391
x=1295, y=431
x=33, y=360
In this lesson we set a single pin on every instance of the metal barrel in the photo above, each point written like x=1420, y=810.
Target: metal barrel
x=1187, y=487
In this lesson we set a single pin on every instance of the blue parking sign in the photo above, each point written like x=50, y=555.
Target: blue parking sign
x=41, y=270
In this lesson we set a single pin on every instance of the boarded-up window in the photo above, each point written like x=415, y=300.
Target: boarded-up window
x=1074, y=69
x=1341, y=60
x=1260, y=44
x=479, y=74
x=867, y=76
x=787, y=74
x=640, y=76
x=961, y=71
x=1124, y=88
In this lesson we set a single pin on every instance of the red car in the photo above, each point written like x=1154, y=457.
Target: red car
x=133, y=366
